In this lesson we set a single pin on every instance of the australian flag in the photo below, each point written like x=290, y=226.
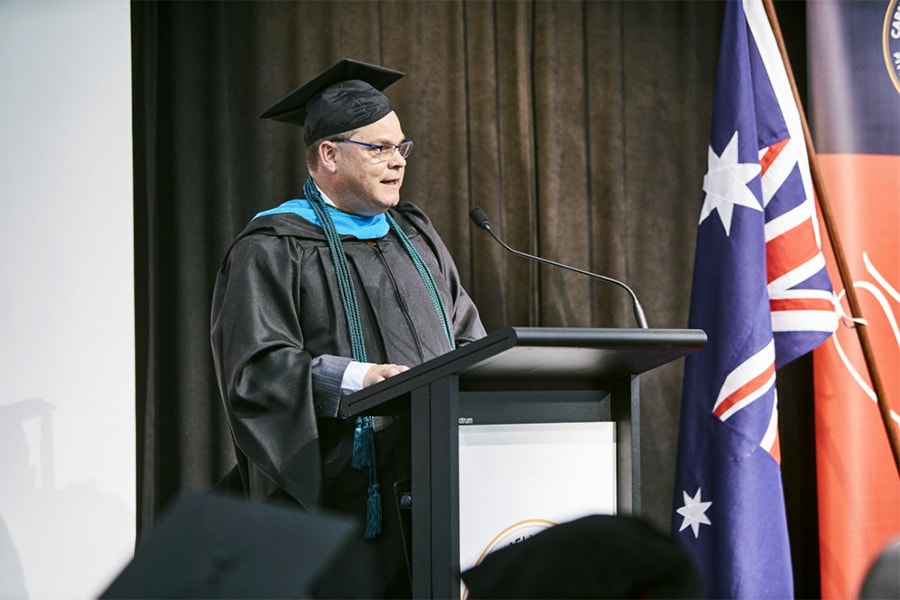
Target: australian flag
x=763, y=296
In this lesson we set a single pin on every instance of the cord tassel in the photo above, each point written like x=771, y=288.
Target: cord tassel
x=363, y=443
x=373, y=512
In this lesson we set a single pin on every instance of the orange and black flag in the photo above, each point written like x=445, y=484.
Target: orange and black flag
x=854, y=69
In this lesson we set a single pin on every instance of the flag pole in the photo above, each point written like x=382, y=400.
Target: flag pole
x=843, y=268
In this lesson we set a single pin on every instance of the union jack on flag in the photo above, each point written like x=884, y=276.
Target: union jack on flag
x=763, y=296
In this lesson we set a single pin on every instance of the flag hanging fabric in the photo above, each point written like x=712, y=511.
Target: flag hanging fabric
x=854, y=74
x=763, y=296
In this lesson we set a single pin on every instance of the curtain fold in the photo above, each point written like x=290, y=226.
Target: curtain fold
x=580, y=127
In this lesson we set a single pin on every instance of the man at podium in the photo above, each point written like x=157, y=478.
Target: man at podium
x=322, y=296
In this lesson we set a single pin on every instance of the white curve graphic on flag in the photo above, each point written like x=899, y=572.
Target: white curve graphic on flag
x=882, y=300
x=876, y=274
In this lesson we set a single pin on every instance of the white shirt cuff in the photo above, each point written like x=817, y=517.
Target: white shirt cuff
x=354, y=376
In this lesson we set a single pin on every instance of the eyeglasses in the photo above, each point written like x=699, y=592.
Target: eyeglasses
x=384, y=152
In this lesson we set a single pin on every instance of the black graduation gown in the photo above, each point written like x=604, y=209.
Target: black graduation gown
x=276, y=306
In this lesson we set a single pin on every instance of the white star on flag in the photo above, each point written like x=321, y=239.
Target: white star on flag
x=694, y=513
x=725, y=184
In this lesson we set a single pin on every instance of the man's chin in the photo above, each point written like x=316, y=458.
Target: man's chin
x=390, y=202
x=379, y=206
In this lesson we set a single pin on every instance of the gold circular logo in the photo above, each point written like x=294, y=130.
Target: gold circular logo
x=891, y=42
x=515, y=533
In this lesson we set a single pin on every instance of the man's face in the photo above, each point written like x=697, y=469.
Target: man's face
x=365, y=186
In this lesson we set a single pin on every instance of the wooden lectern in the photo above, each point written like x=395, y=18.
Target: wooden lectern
x=514, y=375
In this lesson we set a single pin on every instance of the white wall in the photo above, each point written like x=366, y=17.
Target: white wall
x=67, y=457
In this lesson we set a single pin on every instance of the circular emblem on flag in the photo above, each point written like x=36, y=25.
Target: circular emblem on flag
x=891, y=42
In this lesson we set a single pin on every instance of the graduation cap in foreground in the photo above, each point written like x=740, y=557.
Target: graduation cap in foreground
x=216, y=546
x=598, y=556
x=345, y=96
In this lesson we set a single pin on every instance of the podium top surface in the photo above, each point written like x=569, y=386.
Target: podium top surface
x=526, y=354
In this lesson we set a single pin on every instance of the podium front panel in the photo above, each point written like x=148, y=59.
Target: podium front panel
x=517, y=479
x=599, y=466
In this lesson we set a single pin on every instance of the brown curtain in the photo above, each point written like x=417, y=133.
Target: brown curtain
x=580, y=127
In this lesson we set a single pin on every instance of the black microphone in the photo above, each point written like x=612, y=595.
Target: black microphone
x=479, y=218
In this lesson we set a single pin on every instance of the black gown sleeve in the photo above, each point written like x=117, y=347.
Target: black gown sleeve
x=263, y=372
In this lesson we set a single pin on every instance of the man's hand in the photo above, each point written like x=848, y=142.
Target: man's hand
x=378, y=373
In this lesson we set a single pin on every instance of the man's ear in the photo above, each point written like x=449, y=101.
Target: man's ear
x=328, y=155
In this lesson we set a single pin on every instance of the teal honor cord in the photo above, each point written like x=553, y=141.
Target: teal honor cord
x=364, y=433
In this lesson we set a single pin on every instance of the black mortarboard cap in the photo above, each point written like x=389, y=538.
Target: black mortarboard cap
x=345, y=96
x=218, y=546
x=597, y=556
